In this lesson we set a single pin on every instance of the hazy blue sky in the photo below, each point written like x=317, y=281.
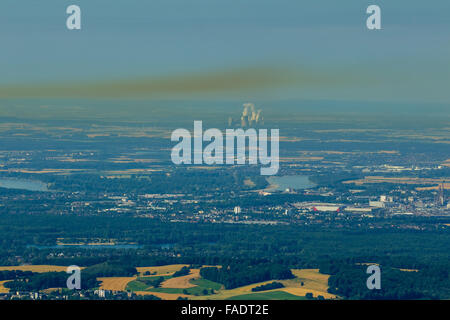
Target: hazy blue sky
x=324, y=41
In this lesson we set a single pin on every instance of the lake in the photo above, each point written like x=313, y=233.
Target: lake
x=295, y=182
x=30, y=185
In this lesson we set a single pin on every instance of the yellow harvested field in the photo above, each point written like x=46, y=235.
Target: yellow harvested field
x=131, y=160
x=50, y=290
x=249, y=183
x=115, y=283
x=313, y=282
x=131, y=171
x=182, y=282
x=409, y=270
x=162, y=270
x=290, y=159
x=41, y=171
x=93, y=135
x=2, y=287
x=291, y=139
x=36, y=268
x=164, y=296
x=397, y=180
x=203, y=168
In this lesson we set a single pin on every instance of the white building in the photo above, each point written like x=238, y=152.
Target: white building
x=376, y=204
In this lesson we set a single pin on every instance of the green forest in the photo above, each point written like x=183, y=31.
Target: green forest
x=246, y=253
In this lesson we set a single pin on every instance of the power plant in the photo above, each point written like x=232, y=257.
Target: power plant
x=440, y=197
x=249, y=117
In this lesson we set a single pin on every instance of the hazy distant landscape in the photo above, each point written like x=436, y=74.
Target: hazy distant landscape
x=129, y=207
x=88, y=176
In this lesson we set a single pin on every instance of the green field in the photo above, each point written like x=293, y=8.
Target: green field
x=136, y=286
x=144, y=278
x=198, y=290
x=140, y=285
x=206, y=284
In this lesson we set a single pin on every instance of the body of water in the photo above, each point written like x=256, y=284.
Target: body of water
x=31, y=185
x=295, y=182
